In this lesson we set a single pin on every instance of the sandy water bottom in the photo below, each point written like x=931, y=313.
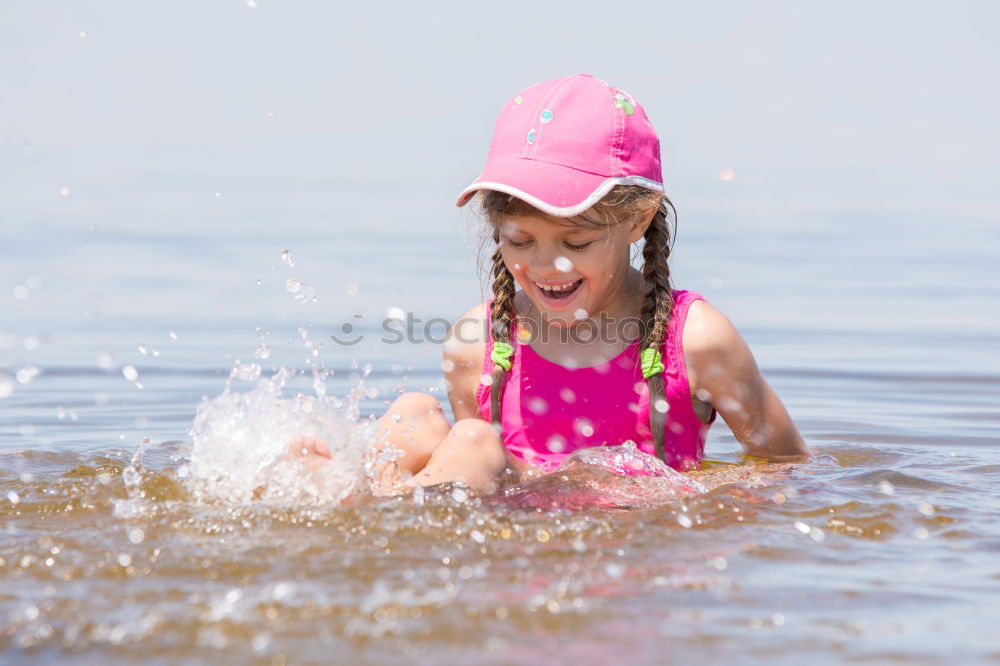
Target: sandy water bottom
x=882, y=550
x=885, y=553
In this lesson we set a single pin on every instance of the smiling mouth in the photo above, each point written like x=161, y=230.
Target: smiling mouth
x=559, y=291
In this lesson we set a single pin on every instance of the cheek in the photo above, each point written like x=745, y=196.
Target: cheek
x=513, y=261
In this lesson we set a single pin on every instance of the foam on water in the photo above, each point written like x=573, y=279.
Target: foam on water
x=240, y=440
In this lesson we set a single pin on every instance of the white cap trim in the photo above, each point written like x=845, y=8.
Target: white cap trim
x=556, y=211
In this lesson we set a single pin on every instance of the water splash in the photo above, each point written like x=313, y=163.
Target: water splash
x=605, y=476
x=241, y=440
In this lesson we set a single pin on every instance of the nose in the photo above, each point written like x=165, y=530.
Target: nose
x=545, y=260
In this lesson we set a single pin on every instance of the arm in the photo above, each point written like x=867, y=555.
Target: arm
x=722, y=371
x=463, y=362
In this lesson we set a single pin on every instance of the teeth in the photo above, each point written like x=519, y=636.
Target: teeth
x=556, y=287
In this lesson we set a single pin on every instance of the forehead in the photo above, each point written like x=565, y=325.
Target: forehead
x=537, y=225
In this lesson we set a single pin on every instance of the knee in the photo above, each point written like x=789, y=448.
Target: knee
x=476, y=428
x=412, y=404
x=476, y=434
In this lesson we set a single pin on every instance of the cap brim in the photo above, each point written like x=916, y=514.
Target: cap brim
x=554, y=189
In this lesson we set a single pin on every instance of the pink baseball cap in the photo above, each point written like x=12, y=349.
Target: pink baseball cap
x=561, y=145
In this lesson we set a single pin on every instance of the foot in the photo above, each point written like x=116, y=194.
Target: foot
x=312, y=452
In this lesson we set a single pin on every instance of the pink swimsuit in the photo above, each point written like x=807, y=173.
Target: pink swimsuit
x=549, y=410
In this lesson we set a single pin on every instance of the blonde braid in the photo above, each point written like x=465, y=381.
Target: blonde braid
x=501, y=326
x=656, y=310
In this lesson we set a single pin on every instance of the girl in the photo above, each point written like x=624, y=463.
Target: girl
x=580, y=348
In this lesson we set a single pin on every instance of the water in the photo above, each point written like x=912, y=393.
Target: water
x=176, y=226
x=130, y=531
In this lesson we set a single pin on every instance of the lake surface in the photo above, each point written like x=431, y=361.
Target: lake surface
x=194, y=197
x=877, y=326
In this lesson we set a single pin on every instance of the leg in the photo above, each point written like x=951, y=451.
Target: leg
x=414, y=425
x=472, y=452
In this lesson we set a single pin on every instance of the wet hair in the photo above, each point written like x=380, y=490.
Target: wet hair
x=622, y=204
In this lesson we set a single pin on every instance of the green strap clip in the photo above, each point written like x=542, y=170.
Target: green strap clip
x=651, y=362
x=501, y=354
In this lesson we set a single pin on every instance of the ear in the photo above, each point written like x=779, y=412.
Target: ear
x=638, y=226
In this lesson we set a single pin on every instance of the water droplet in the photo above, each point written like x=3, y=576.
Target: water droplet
x=477, y=536
x=563, y=264
x=778, y=619
x=252, y=4
x=64, y=191
x=547, y=116
x=538, y=405
x=615, y=571
x=287, y=258
x=719, y=563
x=395, y=313
x=13, y=497
x=26, y=374
x=542, y=535
x=248, y=372
x=124, y=559
x=351, y=289
x=886, y=488
x=459, y=495
x=531, y=136
x=661, y=406
x=926, y=509
x=556, y=444
x=726, y=174
x=21, y=292
x=801, y=527
x=921, y=533
x=262, y=352
x=486, y=380
x=136, y=535
x=260, y=642
x=567, y=394
x=6, y=386
x=581, y=314
x=173, y=336
x=584, y=427
x=130, y=373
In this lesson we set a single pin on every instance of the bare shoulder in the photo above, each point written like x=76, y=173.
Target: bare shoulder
x=467, y=337
x=709, y=332
x=463, y=360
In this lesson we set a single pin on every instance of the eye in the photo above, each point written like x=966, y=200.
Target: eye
x=513, y=243
x=578, y=248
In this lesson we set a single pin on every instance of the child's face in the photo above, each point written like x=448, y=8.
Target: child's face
x=568, y=271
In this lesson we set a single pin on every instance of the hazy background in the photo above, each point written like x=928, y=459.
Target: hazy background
x=155, y=158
